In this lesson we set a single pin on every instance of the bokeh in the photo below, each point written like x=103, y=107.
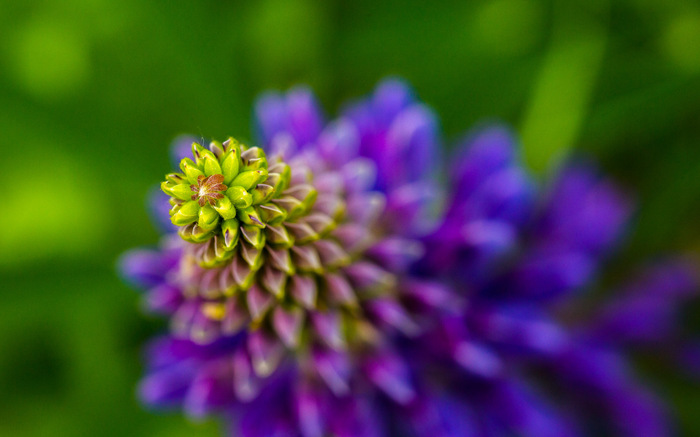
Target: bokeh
x=93, y=91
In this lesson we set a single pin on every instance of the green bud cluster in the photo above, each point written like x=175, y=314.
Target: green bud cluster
x=229, y=191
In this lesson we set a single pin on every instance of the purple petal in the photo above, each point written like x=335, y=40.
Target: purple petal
x=145, y=268
x=166, y=387
x=334, y=369
x=266, y=352
x=164, y=299
x=339, y=143
x=327, y=326
x=270, y=115
x=305, y=120
x=158, y=206
x=649, y=308
x=478, y=359
x=288, y=324
x=431, y=415
x=354, y=416
x=396, y=254
x=390, y=97
x=520, y=328
x=210, y=390
x=583, y=212
x=303, y=289
x=524, y=412
x=391, y=314
x=295, y=114
x=245, y=382
x=483, y=153
x=432, y=295
x=181, y=147
x=391, y=375
x=545, y=275
x=308, y=406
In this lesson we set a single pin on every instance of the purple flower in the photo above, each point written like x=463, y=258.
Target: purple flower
x=343, y=301
x=528, y=352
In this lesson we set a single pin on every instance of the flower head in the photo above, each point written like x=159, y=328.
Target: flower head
x=225, y=188
x=315, y=287
x=294, y=249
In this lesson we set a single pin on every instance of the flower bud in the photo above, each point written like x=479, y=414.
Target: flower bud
x=230, y=230
x=191, y=170
x=217, y=149
x=180, y=191
x=208, y=218
x=254, y=159
x=290, y=204
x=262, y=193
x=225, y=208
x=211, y=164
x=249, y=179
x=278, y=236
x=197, y=153
x=185, y=214
x=279, y=177
x=230, y=163
x=250, y=216
x=175, y=178
x=239, y=197
x=271, y=213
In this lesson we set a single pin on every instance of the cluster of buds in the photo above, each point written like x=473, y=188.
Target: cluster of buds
x=227, y=192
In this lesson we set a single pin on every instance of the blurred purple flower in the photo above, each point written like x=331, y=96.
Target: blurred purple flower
x=474, y=323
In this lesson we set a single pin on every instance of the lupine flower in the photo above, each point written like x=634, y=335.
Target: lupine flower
x=315, y=287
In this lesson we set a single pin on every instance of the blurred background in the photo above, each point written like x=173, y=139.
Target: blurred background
x=93, y=91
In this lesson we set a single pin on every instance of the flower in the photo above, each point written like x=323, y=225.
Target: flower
x=316, y=287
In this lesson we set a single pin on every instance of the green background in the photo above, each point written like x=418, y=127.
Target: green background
x=92, y=92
